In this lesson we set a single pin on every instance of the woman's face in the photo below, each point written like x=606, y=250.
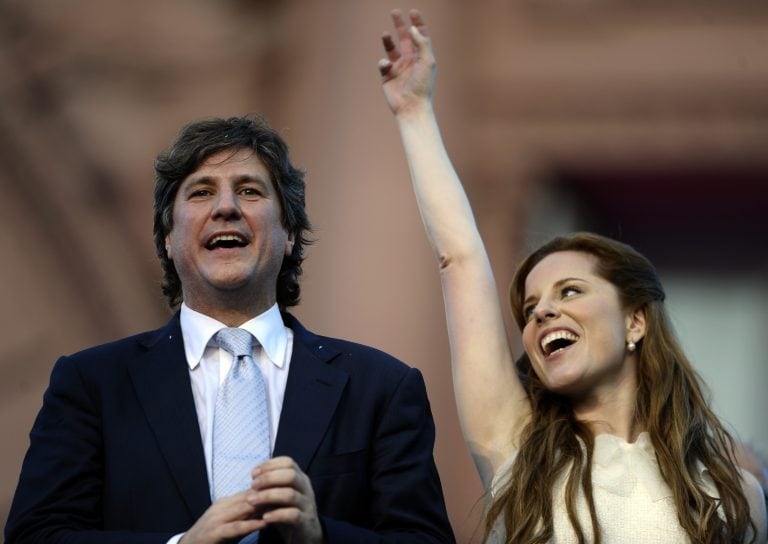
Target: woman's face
x=576, y=331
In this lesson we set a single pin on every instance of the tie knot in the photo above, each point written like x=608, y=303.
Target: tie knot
x=238, y=342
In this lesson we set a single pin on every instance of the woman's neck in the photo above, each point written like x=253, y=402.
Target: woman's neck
x=610, y=414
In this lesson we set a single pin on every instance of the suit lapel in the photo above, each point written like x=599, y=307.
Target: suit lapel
x=312, y=393
x=161, y=380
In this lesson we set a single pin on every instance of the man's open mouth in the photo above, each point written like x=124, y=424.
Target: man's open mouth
x=226, y=241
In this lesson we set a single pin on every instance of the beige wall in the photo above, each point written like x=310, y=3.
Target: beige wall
x=90, y=91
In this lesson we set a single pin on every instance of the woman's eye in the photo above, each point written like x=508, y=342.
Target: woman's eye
x=528, y=311
x=570, y=291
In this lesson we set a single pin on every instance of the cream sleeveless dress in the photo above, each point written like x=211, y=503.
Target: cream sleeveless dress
x=633, y=502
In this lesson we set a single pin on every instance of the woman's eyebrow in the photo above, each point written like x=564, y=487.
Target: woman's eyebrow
x=558, y=283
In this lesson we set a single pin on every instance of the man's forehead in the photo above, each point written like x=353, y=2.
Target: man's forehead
x=227, y=163
x=231, y=155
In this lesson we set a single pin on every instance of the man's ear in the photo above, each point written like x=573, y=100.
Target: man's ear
x=168, y=246
x=289, y=244
x=636, y=324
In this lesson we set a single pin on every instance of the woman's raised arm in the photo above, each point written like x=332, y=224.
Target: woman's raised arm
x=491, y=401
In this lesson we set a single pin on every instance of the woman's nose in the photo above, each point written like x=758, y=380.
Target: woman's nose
x=544, y=311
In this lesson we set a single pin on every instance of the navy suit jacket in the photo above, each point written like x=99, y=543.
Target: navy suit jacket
x=116, y=455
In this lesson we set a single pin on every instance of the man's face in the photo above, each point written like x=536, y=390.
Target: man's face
x=227, y=239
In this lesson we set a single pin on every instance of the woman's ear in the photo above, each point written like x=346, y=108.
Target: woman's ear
x=636, y=324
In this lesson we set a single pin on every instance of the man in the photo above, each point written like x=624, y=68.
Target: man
x=128, y=444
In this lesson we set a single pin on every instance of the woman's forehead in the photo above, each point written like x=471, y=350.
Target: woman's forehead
x=558, y=266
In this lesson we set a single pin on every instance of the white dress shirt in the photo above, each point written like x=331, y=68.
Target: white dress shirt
x=209, y=365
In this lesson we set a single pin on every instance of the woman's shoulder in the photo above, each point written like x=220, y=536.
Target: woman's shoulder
x=755, y=495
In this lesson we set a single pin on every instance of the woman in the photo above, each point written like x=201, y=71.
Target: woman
x=607, y=437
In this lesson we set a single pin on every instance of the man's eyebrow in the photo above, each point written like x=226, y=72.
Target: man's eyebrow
x=250, y=178
x=198, y=178
x=192, y=181
x=206, y=179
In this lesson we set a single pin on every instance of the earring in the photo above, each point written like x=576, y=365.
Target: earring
x=631, y=346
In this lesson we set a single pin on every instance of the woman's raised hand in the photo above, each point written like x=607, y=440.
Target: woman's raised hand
x=408, y=71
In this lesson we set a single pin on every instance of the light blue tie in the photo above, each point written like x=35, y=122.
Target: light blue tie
x=240, y=419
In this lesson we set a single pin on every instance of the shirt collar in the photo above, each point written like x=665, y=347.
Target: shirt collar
x=197, y=330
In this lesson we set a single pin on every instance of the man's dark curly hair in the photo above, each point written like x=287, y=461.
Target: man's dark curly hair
x=197, y=142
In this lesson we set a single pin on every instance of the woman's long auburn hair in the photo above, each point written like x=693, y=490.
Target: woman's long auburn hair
x=671, y=407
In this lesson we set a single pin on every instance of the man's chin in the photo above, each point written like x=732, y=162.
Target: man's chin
x=220, y=289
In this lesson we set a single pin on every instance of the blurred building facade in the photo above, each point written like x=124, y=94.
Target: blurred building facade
x=644, y=121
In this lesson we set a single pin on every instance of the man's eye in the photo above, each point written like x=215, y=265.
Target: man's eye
x=199, y=193
x=250, y=191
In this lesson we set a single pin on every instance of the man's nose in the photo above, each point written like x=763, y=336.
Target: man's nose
x=226, y=205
